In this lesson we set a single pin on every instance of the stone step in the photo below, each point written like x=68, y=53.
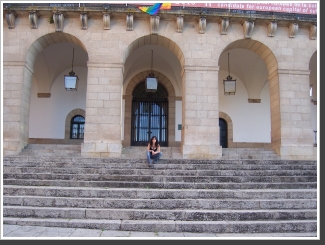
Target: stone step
x=66, y=160
x=87, y=192
x=283, y=226
x=158, y=214
x=131, y=152
x=51, y=150
x=201, y=204
x=169, y=169
x=158, y=171
x=158, y=185
x=53, y=146
x=161, y=178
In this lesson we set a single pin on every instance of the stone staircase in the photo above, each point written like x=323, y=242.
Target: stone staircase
x=224, y=196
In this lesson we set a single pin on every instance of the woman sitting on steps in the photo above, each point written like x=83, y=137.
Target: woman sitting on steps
x=153, y=150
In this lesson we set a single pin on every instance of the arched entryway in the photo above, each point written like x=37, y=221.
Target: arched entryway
x=136, y=92
x=167, y=60
x=149, y=115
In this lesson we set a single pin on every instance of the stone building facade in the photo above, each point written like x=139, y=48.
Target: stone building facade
x=112, y=48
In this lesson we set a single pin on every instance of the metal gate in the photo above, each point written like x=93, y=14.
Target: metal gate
x=149, y=119
x=223, y=133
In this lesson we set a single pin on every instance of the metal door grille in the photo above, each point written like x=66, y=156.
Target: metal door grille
x=223, y=133
x=149, y=119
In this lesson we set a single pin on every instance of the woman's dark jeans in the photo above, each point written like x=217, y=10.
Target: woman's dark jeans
x=155, y=157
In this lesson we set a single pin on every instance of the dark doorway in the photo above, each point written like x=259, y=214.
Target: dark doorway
x=77, y=127
x=149, y=119
x=149, y=116
x=223, y=133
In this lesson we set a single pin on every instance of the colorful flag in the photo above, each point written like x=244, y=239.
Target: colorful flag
x=152, y=10
x=166, y=6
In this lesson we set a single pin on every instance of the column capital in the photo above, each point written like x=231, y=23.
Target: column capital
x=105, y=65
x=201, y=68
x=294, y=72
x=192, y=68
x=18, y=63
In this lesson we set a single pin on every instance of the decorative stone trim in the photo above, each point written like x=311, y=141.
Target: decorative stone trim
x=154, y=24
x=58, y=19
x=179, y=23
x=202, y=24
x=248, y=27
x=129, y=22
x=33, y=19
x=224, y=26
x=313, y=32
x=254, y=100
x=11, y=14
x=43, y=95
x=11, y=18
x=293, y=30
x=271, y=28
x=84, y=21
x=106, y=21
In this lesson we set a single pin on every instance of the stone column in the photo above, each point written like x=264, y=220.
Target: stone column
x=17, y=80
x=127, y=120
x=294, y=136
x=103, y=125
x=200, y=115
x=171, y=121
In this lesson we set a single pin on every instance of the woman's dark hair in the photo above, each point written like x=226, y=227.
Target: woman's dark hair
x=154, y=137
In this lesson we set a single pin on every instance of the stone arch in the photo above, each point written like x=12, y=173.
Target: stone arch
x=128, y=105
x=68, y=118
x=33, y=51
x=47, y=40
x=156, y=40
x=271, y=63
x=260, y=49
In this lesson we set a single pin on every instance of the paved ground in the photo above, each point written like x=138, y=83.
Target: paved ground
x=10, y=232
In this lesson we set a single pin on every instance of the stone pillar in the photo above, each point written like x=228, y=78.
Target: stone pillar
x=200, y=115
x=103, y=125
x=17, y=80
x=294, y=136
x=127, y=120
x=171, y=121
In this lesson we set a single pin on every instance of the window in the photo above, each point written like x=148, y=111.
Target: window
x=77, y=127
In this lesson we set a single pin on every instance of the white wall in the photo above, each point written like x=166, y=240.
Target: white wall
x=251, y=121
x=47, y=115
